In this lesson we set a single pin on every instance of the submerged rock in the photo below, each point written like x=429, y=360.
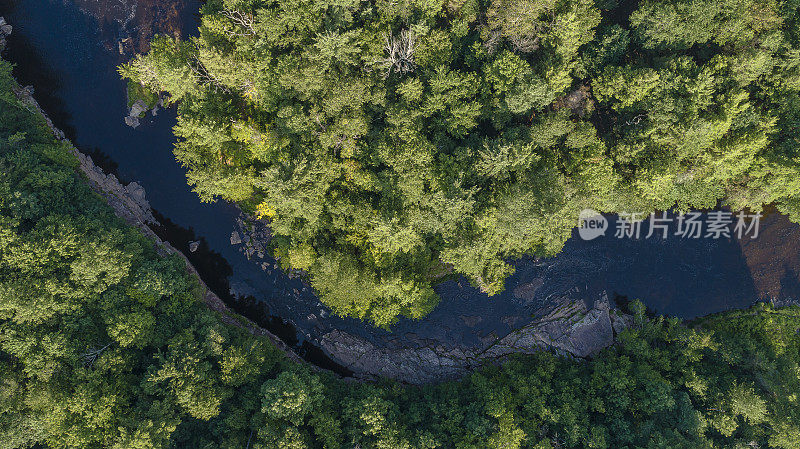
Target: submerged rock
x=470, y=321
x=126, y=26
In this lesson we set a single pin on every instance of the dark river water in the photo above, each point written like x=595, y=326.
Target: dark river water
x=72, y=66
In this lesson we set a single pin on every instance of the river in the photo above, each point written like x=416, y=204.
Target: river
x=70, y=54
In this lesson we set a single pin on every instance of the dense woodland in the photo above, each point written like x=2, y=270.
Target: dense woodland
x=391, y=143
x=106, y=344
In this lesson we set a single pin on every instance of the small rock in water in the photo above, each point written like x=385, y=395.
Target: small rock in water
x=133, y=122
x=137, y=108
x=235, y=238
x=4, y=27
x=194, y=245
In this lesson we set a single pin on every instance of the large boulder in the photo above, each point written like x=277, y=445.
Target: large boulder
x=573, y=329
x=136, y=192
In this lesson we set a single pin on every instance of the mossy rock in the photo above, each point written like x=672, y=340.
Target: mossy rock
x=137, y=92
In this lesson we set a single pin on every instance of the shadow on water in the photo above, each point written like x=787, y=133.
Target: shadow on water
x=32, y=69
x=59, y=51
x=105, y=162
x=257, y=311
x=790, y=283
x=212, y=267
x=316, y=356
x=216, y=271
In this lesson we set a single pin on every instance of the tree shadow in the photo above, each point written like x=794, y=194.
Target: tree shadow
x=30, y=69
x=790, y=284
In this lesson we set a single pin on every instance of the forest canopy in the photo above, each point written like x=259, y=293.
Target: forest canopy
x=105, y=343
x=390, y=143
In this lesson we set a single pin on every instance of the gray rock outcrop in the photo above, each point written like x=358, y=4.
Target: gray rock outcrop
x=128, y=202
x=235, y=238
x=133, y=122
x=5, y=31
x=569, y=328
x=137, y=109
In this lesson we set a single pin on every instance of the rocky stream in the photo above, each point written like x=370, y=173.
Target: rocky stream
x=571, y=304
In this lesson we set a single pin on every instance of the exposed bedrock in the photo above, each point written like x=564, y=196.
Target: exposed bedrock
x=543, y=310
x=569, y=328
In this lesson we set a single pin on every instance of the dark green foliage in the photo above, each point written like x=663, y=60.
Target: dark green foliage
x=105, y=344
x=392, y=142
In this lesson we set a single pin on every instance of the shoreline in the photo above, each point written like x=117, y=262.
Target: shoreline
x=568, y=321
x=570, y=329
x=568, y=326
x=129, y=203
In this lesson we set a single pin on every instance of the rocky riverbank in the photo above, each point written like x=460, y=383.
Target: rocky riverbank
x=564, y=304
x=128, y=25
x=542, y=301
x=569, y=328
x=129, y=202
x=575, y=322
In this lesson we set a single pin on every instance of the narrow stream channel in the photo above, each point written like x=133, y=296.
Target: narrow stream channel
x=58, y=49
